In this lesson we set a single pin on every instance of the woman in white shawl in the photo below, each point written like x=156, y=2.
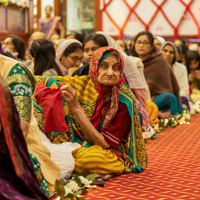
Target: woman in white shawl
x=170, y=53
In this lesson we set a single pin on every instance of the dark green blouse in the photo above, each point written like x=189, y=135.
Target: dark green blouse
x=22, y=88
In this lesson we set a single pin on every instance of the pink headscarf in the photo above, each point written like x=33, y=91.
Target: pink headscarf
x=60, y=50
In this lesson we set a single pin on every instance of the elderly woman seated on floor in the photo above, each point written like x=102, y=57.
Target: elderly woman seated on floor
x=100, y=112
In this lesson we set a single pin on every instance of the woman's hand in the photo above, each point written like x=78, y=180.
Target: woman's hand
x=70, y=96
x=91, y=134
x=191, y=77
x=197, y=74
x=25, y=125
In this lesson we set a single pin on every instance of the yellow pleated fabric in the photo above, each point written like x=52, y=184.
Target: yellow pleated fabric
x=152, y=111
x=97, y=160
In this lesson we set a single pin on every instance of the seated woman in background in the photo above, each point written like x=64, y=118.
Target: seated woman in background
x=182, y=50
x=91, y=43
x=122, y=44
x=16, y=46
x=43, y=58
x=158, y=42
x=170, y=53
x=101, y=114
x=34, y=36
x=160, y=78
x=69, y=54
x=193, y=67
x=54, y=38
x=22, y=84
x=129, y=46
x=75, y=36
x=17, y=178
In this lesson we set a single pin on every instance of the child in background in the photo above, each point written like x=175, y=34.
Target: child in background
x=192, y=61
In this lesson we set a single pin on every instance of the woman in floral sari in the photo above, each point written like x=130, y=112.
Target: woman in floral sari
x=101, y=114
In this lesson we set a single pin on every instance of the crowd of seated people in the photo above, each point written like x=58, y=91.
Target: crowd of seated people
x=91, y=95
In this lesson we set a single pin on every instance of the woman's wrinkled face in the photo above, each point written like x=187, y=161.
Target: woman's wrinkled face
x=73, y=59
x=7, y=44
x=89, y=48
x=168, y=54
x=109, y=71
x=194, y=64
x=157, y=44
x=143, y=46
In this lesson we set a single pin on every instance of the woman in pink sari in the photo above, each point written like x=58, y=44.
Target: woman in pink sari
x=50, y=25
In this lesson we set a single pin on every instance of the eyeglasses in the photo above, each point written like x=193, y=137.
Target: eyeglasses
x=6, y=43
x=75, y=59
x=143, y=43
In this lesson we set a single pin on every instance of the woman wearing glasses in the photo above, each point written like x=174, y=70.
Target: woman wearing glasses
x=16, y=46
x=69, y=55
x=43, y=58
x=159, y=76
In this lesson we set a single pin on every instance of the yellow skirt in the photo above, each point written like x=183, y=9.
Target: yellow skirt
x=152, y=111
x=97, y=160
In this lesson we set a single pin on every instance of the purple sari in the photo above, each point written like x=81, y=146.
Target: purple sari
x=185, y=101
x=49, y=28
x=17, y=178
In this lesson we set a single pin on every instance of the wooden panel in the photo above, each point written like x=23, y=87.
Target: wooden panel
x=97, y=16
x=38, y=9
x=57, y=7
x=63, y=12
x=22, y=34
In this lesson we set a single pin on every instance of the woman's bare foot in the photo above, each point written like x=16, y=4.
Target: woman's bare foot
x=162, y=115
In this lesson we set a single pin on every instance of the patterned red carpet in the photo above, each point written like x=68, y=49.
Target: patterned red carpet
x=173, y=170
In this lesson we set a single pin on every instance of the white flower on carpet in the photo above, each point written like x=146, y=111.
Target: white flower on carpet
x=84, y=180
x=73, y=186
x=67, y=191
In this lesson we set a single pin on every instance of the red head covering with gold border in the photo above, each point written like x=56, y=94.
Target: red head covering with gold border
x=101, y=89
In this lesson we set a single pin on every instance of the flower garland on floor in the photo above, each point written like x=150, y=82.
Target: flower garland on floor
x=75, y=186
x=174, y=120
x=17, y=3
